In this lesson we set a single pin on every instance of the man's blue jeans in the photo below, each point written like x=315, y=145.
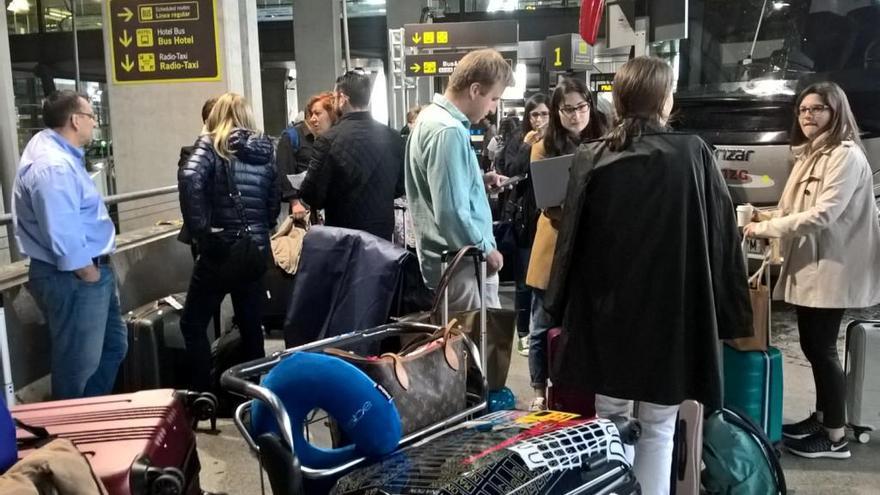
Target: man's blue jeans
x=89, y=338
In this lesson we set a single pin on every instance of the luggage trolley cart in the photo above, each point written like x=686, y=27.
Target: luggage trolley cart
x=276, y=454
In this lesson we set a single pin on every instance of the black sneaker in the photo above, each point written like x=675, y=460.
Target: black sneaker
x=802, y=429
x=819, y=445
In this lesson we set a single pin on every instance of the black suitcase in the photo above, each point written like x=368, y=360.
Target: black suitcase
x=499, y=454
x=279, y=287
x=156, y=355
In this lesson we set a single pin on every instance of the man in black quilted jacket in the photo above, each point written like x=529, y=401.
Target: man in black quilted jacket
x=356, y=170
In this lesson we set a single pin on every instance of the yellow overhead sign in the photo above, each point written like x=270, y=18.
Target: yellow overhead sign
x=172, y=41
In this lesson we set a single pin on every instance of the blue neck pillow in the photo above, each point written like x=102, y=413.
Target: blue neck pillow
x=307, y=381
x=8, y=446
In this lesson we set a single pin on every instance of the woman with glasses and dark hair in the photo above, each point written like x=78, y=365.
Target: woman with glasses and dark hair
x=648, y=272
x=520, y=209
x=537, y=117
x=572, y=119
x=827, y=221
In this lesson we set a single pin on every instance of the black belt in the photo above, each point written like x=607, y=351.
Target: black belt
x=104, y=259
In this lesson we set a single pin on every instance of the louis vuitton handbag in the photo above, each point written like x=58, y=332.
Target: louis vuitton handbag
x=427, y=378
x=500, y=323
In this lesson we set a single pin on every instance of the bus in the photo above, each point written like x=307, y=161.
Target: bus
x=743, y=65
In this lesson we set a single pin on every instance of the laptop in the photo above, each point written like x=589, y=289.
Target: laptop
x=550, y=180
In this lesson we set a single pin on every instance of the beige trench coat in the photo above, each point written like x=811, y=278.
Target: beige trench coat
x=827, y=220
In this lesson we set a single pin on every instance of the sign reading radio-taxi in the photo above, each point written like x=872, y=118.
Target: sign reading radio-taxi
x=163, y=41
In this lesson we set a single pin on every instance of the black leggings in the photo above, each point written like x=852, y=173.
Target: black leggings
x=818, y=329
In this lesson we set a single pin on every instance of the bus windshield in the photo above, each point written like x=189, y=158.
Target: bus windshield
x=754, y=56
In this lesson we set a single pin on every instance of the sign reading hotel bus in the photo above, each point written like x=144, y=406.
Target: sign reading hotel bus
x=163, y=41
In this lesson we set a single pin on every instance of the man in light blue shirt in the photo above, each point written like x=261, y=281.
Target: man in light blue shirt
x=61, y=223
x=444, y=185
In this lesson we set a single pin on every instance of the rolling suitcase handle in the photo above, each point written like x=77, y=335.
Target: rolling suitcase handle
x=480, y=268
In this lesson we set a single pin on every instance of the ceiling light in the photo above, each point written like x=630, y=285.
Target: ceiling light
x=19, y=7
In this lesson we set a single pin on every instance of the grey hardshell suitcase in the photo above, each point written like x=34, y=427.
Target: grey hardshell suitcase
x=687, y=454
x=862, y=366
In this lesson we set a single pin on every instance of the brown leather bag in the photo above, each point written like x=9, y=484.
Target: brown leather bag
x=426, y=378
x=500, y=326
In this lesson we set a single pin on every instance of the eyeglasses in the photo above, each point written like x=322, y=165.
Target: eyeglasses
x=580, y=108
x=813, y=110
x=539, y=115
x=89, y=115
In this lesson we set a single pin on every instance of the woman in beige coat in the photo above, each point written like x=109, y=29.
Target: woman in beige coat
x=827, y=220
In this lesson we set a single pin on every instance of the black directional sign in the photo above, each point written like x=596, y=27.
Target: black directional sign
x=566, y=52
x=163, y=40
x=442, y=64
x=461, y=34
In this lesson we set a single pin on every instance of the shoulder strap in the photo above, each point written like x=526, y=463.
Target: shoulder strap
x=293, y=135
x=235, y=194
x=41, y=436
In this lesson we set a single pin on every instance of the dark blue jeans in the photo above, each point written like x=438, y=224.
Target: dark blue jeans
x=202, y=302
x=89, y=338
x=523, y=301
x=538, y=357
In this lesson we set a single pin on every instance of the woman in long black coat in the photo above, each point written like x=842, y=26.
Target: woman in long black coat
x=648, y=273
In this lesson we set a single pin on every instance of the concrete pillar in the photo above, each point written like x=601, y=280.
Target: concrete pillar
x=275, y=117
x=151, y=121
x=317, y=41
x=8, y=137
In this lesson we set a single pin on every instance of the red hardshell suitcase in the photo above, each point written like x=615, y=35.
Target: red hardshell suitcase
x=138, y=444
x=565, y=399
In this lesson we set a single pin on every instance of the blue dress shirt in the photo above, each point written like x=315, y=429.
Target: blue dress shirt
x=59, y=216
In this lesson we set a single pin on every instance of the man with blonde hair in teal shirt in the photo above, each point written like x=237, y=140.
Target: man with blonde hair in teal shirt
x=445, y=187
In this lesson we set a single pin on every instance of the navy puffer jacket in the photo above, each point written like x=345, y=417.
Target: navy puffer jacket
x=208, y=210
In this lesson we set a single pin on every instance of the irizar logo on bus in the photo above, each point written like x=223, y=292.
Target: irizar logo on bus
x=733, y=155
x=738, y=177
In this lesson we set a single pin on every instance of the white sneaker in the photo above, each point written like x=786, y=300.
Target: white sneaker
x=522, y=346
x=538, y=404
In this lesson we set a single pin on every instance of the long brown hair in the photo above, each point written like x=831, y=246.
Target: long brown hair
x=230, y=112
x=842, y=126
x=640, y=90
x=557, y=139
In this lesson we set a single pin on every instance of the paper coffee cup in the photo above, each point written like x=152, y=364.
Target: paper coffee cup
x=744, y=214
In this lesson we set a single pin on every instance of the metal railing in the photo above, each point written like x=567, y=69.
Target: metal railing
x=6, y=218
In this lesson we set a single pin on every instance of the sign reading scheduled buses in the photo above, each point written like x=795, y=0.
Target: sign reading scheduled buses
x=163, y=41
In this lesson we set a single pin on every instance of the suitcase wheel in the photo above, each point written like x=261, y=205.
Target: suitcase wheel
x=200, y=406
x=170, y=482
x=862, y=434
x=205, y=408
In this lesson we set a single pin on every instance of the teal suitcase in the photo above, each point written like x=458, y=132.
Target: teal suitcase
x=753, y=385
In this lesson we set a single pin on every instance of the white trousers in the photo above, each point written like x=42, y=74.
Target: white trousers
x=652, y=456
